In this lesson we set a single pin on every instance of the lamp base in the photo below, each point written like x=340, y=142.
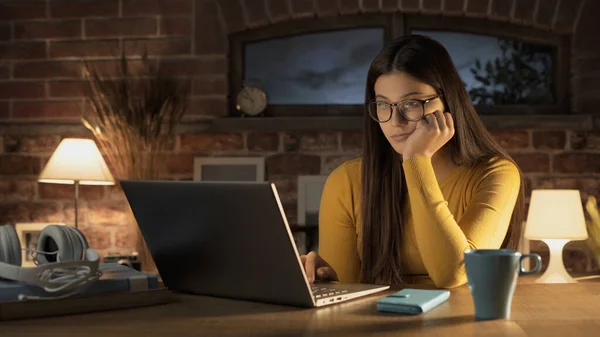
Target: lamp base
x=556, y=272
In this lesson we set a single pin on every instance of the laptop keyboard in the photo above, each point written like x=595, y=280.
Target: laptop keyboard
x=320, y=292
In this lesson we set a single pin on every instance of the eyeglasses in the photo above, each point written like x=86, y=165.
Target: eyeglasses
x=412, y=110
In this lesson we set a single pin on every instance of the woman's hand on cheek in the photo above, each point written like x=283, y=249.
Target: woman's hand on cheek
x=431, y=134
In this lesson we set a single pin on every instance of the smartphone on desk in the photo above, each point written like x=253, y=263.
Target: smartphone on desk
x=412, y=301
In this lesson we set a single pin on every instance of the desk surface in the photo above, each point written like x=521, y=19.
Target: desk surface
x=538, y=310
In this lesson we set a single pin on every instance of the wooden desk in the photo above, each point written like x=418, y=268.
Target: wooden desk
x=538, y=310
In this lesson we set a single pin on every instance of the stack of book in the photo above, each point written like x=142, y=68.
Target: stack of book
x=119, y=287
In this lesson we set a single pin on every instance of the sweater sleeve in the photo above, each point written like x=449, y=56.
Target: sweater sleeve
x=442, y=239
x=337, y=229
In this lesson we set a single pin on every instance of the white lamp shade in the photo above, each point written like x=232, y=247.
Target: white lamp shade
x=555, y=214
x=76, y=159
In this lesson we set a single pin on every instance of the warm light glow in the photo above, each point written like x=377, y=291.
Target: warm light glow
x=555, y=214
x=77, y=159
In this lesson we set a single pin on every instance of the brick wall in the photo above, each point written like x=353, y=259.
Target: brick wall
x=40, y=82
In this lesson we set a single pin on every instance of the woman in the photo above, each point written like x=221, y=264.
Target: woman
x=431, y=182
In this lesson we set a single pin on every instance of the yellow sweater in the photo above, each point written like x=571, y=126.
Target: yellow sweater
x=470, y=208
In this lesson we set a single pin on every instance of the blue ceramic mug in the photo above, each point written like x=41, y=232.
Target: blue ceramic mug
x=492, y=275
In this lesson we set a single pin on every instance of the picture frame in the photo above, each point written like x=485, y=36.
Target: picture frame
x=28, y=234
x=229, y=169
x=310, y=190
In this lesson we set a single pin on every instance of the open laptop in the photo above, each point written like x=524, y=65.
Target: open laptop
x=228, y=239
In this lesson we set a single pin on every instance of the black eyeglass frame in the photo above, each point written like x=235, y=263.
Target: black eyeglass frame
x=392, y=105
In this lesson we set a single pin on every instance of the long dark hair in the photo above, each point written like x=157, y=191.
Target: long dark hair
x=383, y=185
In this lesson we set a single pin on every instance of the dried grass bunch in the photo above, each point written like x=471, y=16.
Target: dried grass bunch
x=133, y=114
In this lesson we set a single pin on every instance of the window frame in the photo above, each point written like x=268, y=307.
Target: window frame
x=396, y=25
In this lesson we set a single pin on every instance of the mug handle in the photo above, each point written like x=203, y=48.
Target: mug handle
x=536, y=269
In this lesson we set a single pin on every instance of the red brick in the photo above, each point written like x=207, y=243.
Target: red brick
x=532, y=162
x=263, y=141
x=175, y=26
x=583, y=41
x=524, y=10
x=453, y=6
x=156, y=7
x=115, y=193
x=98, y=236
x=12, y=164
x=211, y=142
x=4, y=31
x=47, y=29
x=22, y=50
x=125, y=237
x=432, y=6
x=107, y=214
x=409, y=6
x=31, y=212
x=577, y=163
x=586, y=185
x=545, y=12
x=114, y=68
x=181, y=46
x=210, y=86
x=78, y=9
x=310, y=141
x=287, y=188
x=4, y=109
x=47, y=69
x=16, y=190
x=302, y=8
x=47, y=109
x=549, y=139
x=352, y=141
x=349, y=7
x=477, y=8
x=22, y=10
x=389, y=5
x=31, y=144
x=179, y=67
x=207, y=107
x=500, y=9
x=511, y=139
x=256, y=13
x=22, y=90
x=587, y=104
x=327, y=7
x=585, y=86
x=293, y=164
x=84, y=49
x=69, y=213
x=279, y=10
x=120, y=27
x=67, y=192
x=179, y=164
x=585, y=140
x=233, y=16
x=331, y=162
x=567, y=13
x=211, y=37
x=67, y=88
x=4, y=71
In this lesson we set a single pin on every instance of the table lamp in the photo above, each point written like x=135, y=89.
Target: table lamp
x=76, y=161
x=555, y=217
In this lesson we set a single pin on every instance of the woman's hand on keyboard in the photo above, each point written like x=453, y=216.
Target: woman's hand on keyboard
x=317, y=268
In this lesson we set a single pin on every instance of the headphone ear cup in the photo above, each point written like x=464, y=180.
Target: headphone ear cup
x=10, y=247
x=68, y=241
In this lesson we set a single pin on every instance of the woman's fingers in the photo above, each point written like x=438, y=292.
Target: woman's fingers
x=310, y=266
x=327, y=274
x=441, y=120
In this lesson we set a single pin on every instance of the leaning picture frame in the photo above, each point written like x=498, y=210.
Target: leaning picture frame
x=229, y=169
x=28, y=234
